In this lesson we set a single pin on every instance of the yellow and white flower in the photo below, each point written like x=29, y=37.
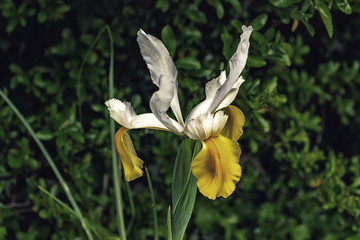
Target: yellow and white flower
x=216, y=123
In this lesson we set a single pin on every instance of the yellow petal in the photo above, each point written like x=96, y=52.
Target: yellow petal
x=234, y=125
x=131, y=163
x=216, y=167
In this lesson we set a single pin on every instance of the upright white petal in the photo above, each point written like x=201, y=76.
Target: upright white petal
x=210, y=91
x=237, y=63
x=159, y=62
x=231, y=95
x=160, y=102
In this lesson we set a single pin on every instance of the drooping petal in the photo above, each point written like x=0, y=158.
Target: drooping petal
x=237, y=63
x=160, y=102
x=121, y=112
x=216, y=167
x=160, y=63
x=129, y=159
x=206, y=125
x=234, y=125
x=124, y=114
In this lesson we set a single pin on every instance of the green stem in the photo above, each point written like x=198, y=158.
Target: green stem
x=51, y=163
x=78, y=85
x=115, y=162
x=156, y=235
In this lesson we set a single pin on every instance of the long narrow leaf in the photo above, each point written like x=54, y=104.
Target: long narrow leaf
x=156, y=235
x=78, y=85
x=69, y=209
x=132, y=207
x=115, y=162
x=183, y=188
x=169, y=224
x=51, y=163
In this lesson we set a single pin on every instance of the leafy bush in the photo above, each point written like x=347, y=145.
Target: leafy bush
x=300, y=149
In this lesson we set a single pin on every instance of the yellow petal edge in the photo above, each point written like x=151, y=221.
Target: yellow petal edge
x=216, y=167
x=234, y=125
x=129, y=159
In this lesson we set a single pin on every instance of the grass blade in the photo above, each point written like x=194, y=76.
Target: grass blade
x=132, y=207
x=51, y=163
x=169, y=224
x=69, y=209
x=78, y=84
x=156, y=234
x=115, y=162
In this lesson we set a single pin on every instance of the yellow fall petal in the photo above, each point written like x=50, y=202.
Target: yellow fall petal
x=234, y=125
x=216, y=167
x=131, y=163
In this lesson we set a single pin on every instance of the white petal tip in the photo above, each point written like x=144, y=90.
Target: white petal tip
x=141, y=32
x=247, y=29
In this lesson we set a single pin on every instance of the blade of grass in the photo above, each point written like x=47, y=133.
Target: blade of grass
x=115, y=163
x=69, y=209
x=78, y=85
x=132, y=207
x=152, y=195
x=51, y=163
x=169, y=224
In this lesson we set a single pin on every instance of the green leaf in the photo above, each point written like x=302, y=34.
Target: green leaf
x=283, y=3
x=263, y=122
x=16, y=159
x=344, y=6
x=168, y=37
x=41, y=17
x=169, y=224
x=153, y=203
x=309, y=27
x=255, y=61
x=235, y=4
x=259, y=22
x=163, y=5
x=45, y=134
x=33, y=163
x=188, y=63
x=14, y=68
x=219, y=9
x=227, y=40
x=326, y=17
x=183, y=188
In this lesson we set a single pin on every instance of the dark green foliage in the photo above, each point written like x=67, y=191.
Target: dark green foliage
x=300, y=148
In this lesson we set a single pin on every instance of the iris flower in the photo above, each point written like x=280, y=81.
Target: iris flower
x=214, y=122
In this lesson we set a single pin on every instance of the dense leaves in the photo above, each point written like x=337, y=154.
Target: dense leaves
x=300, y=148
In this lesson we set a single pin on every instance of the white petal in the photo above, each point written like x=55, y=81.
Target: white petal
x=121, y=112
x=124, y=114
x=206, y=125
x=231, y=95
x=156, y=56
x=159, y=62
x=160, y=102
x=237, y=63
x=210, y=90
x=213, y=85
x=219, y=121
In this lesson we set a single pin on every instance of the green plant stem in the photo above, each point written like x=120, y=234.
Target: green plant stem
x=69, y=209
x=156, y=234
x=132, y=207
x=51, y=163
x=169, y=225
x=115, y=162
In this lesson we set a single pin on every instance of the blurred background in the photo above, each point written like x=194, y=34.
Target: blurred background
x=300, y=148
